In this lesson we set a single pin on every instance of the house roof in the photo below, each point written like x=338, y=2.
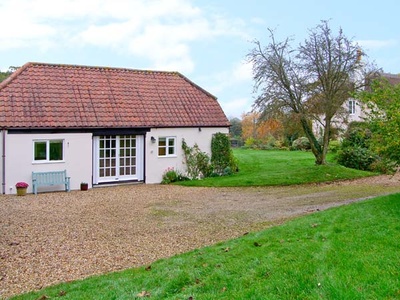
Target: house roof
x=392, y=78
x=40, y=95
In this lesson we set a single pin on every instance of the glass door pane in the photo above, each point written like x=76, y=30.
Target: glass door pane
x=127, y=156
x=107, y=156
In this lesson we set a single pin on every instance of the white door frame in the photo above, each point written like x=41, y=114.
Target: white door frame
x=111, y=159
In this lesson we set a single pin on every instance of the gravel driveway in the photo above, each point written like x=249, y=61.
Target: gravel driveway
x=55, y=237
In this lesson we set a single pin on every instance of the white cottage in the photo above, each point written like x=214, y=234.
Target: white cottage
x=102, y=125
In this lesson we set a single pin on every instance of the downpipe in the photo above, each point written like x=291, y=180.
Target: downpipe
x=3, y=171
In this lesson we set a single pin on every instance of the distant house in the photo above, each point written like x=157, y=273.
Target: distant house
x=103, y=125
x=354, y=110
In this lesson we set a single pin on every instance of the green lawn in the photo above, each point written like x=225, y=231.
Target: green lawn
x=268, y=168
x=349, y=252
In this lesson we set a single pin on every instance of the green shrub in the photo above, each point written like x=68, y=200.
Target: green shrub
x=252, y=143
x=334, y=146
x=221, y=154
x=302, y=143
x=357, y=158
x=383, y=165
x=357, y=135
x=197, y=162
x=170, y=175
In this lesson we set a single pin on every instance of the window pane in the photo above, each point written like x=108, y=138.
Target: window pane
x=128, y=171
x=171, y=146
x=171, y=150
x=40, y=150
x=56, y=150
x=161, y=151
x=162, y=142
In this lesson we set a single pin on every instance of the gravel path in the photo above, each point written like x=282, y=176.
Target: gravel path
x=55, y=237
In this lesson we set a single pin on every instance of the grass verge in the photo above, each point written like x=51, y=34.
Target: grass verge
x=348, y=252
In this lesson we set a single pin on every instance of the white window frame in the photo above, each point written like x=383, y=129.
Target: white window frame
x=167, y=147
x=352, y=107
x=47, y=160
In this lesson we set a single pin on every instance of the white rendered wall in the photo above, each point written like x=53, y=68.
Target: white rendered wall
x=1, y=157
x=156, y=166
x=20, y=165
x=358, y=115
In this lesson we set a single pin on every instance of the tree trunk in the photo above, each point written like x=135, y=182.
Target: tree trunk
x=325, y=143
x=315, y=146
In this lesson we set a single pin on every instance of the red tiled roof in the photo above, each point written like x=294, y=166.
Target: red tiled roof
x=42, y=95
x=392, y=78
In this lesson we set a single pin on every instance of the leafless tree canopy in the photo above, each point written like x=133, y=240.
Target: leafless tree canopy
x=312, y=80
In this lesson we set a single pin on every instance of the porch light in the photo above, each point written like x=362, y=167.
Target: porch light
x=153, y=139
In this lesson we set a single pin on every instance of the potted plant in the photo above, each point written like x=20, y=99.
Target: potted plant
x=21, y=188
x=84, y=186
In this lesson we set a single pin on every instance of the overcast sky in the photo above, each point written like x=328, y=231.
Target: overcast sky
x=207, y=41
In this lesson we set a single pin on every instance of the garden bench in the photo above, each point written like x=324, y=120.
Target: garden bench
x=49, y=179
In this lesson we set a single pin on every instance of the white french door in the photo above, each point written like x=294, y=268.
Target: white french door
x=118, y=158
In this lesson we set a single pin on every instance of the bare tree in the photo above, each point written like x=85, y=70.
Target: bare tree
x=312, y=80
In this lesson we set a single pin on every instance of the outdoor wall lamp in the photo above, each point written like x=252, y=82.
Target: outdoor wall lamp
x=153, y=139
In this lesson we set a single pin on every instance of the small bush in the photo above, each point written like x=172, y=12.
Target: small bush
x=252, y=143
x=221, y=154
x=384, y=166
x=357, y=158
x=302, y=143
x=334, y=146
x=197, y=162
x=357, y=135
x=170, y=175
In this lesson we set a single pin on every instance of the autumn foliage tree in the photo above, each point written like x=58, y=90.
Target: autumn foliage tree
x=258, y=130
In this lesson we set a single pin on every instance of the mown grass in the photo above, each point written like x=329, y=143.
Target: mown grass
x=348, y=252
x=270, y=168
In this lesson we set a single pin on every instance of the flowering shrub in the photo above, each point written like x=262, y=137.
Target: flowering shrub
x=170, y=175
x=21, y=185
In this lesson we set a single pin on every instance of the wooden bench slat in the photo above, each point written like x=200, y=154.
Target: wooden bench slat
x=50, y=178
